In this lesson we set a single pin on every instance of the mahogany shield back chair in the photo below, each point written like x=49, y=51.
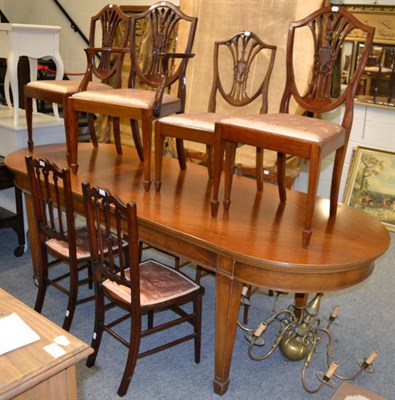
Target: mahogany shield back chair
x=243, y=53
x=58, y=235
x=309, y=138
x=136, y=288
x=108, y=21
x=157, y=71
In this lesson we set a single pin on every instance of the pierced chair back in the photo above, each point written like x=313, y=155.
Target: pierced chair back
x=156, y=67
x=246, y=52
x=104, y=61
x=235, y=62
x=329, y=30
x=58, y=236
x=136, y=288
x=299, y=135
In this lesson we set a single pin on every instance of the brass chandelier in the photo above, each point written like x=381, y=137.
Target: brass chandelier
x=299, y=337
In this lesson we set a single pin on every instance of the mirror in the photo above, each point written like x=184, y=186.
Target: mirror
x=377, y=85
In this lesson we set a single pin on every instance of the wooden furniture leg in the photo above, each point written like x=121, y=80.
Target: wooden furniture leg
x=227, y=308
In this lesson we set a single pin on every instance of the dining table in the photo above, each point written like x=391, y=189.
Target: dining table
x=258, y=242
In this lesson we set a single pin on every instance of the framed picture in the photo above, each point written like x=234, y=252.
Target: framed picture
x=371, y=184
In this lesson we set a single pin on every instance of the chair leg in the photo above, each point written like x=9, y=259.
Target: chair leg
x=117, y=134
x=159, y=143
x=281, y=177
x=73, y=293
x=314, y=172
x=42, y=282
x=197, y=309
x=336, y=176
x=134, y=345
x=210, y=161
x=134, y=125
x=146, y=125
x=230, y=155
x=92, y=130
x=29, y=122
x=259, y=169
x=181, y=154
x=98, y=328
x=219, y=149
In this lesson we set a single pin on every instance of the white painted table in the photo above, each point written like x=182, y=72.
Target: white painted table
x=33, y=41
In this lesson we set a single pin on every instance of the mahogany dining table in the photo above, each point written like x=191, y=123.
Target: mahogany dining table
x=257, y=242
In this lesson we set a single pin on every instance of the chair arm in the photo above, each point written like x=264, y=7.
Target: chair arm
x=161, y=88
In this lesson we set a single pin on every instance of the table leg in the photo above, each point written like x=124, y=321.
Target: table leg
x=228, y=293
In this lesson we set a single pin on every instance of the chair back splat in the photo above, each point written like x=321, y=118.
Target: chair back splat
x=135, y=288
x=299, y=135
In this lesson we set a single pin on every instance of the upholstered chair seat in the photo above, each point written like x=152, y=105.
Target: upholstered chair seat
x=129, y=97
x=296, y=126
x=158, y=284
x=65, y=87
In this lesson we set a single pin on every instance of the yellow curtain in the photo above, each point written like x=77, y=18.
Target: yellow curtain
x=220, y=19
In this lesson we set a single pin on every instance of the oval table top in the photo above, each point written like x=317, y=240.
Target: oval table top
x=259, y=234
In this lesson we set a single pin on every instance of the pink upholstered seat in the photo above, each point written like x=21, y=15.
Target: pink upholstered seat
x=65, y=87
x=128, y=98
x=158, y=284
x=293, y=126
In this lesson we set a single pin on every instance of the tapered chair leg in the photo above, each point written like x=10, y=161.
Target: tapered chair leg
x=219, y=150
x=29, y=122
x=181, y=154
x=117, y=134
x=259, y=169
x=134, y=345
x=230, y=155
x=98, y=330
x=72, y=302
x=336, y=175
x=197, y=309
x=281, y=177
x=314, y=170
x=159, y=143
x=134, y=124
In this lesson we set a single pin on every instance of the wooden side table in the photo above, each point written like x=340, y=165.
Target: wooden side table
x=32, y=373
x=9, y=219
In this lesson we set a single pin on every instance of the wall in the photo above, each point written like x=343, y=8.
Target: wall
x=46, y=12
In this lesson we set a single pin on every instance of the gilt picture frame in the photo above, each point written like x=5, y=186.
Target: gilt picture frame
x=371, y=184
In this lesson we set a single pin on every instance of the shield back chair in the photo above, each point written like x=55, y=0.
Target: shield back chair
x=108, y=22
x=58, y=235
x=302, y=136
x=157, y=72
x=242, y=54
x=135, y=288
